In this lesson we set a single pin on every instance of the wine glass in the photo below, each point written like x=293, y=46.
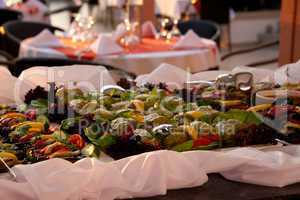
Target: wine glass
x=81, y=32
x=175, y=31
x=163, y=33
x=81, y=28
x=131, y=37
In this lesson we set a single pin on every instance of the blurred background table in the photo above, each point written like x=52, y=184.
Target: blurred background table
x=141, y=60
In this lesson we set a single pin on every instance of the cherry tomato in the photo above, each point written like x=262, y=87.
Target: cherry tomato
x=31, y=114
x=206, y=140
x=203, y=141
x=213, y=137
x=77, y=140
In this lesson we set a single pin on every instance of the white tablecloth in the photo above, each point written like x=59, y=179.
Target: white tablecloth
x=192, y=60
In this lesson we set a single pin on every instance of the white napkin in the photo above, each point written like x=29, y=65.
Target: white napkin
x=4, y=71
x=43, y=39
x=276, y=167
x=177, y=77
x=259, y=74
x=174, y=76
x=105, y=45
x=149, y=30
x=208, y=75
x=87, y=78
x=7, y=89
x=12, y=90
x=39, y=16
x=153, y=173
x=288, y=73
x=119, y=32
x=192, y=40
x=8, y=190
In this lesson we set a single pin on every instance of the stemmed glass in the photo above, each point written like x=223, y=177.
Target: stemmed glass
x=168, y=34
x=81, y=32
x=81, y=28
x=131, y=37
x=163, y=33
x=175, y=31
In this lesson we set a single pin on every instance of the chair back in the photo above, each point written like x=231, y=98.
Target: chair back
x=7, y=15
x=16, y=31
x=202, y=28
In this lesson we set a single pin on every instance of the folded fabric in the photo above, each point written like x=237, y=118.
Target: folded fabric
x=259, y=75
x=274, y=167
x=14, y=89
x=44, y=39
x=149, y=30
x=119, y=32
x=288, y=74
x=4, y=71
x=41, y=8
x=173, y=76
x=105, y=45
x=33, y=10
x=86, y=77
x=153, y=173
x=192, y=40
x=208, y=75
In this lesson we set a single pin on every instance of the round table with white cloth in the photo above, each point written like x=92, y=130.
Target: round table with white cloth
x=194, y=60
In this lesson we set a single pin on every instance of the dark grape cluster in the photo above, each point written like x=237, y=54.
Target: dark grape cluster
x=149, y=86
x=254, y=135
x=4, y=133
x=56, y=114
x=186, y=94
x=34, y=94
x=125, y=83
x=122, y=149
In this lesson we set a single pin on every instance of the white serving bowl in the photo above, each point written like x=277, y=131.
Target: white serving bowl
x=269, y=96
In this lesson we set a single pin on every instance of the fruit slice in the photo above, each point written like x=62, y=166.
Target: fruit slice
x=259, y=108
x=9, y=158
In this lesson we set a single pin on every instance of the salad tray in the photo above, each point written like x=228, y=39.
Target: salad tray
x=126, y=120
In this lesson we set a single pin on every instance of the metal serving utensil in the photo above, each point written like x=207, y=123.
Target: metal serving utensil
x=107, y=88
x=10, y=171
x=164, y=128
x=243, y=81
x=284, y=143
x=189, y=84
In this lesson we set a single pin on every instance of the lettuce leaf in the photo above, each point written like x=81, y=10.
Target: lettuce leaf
x=244, y=117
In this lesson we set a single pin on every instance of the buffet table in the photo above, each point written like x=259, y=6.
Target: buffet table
x=190, y=161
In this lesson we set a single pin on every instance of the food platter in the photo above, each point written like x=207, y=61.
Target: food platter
x=126, y=120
